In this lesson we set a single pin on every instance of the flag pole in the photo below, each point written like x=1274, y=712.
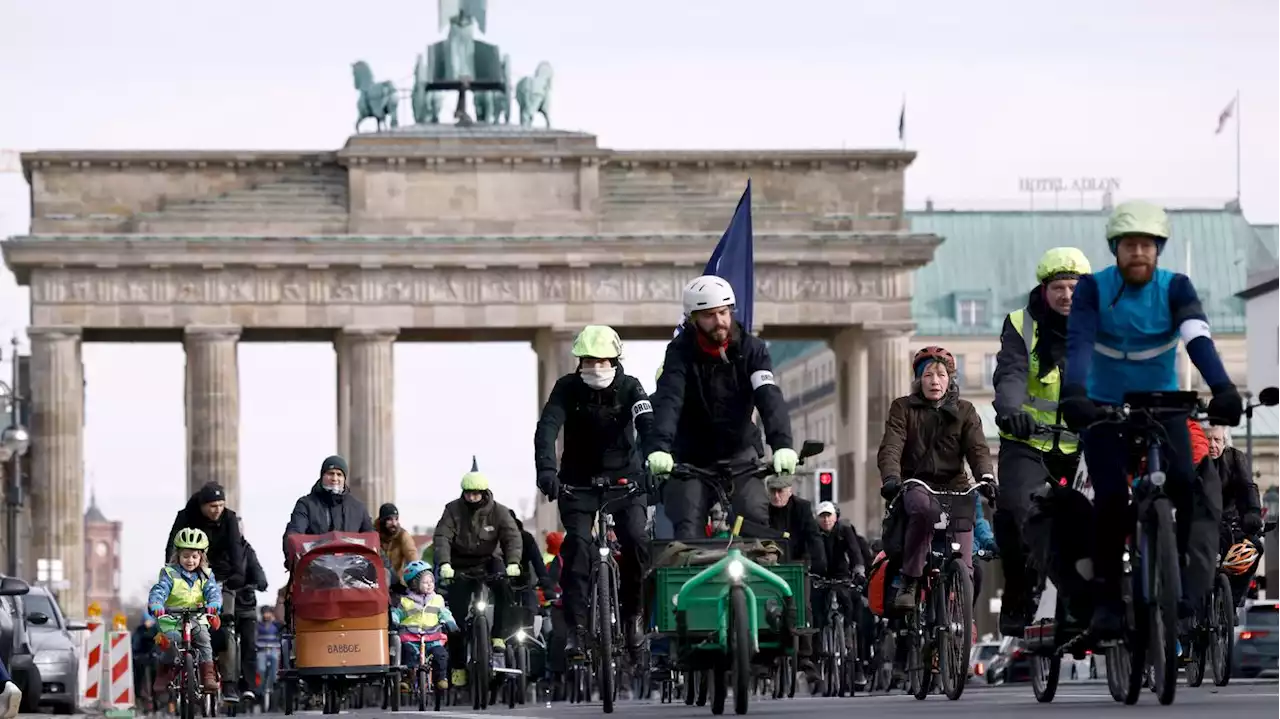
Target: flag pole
x=1237, y=148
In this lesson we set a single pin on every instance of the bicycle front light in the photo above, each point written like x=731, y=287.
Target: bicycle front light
x=955, y=546
x=736, y=569
x=481, y=605
x=520, y=635
x=604, y=551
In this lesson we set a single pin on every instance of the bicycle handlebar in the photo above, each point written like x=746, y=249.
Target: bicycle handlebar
x=724, y=471
x=941, y=492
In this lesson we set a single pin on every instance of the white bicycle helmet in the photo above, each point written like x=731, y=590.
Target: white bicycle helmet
x=706, y=293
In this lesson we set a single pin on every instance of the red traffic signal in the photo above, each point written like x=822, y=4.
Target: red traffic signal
x=825, y=478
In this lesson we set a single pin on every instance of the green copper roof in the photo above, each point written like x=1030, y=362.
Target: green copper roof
x=1269, y=237
x=992, y=256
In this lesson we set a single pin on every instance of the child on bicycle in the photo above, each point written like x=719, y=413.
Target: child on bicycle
x=186, y=583
x=422, y=615
x=930, y=435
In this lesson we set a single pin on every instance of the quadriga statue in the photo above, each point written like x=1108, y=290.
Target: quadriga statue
x=494, y=106
x=534, y=95
x=426, y=103
x=377, y=99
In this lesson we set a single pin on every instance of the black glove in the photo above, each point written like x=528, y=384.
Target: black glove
x=890, y=487
x=1078, y=411
x=1020, y=424
x=1251, y=523
x=549, y=485
x=547, y=583
x=1226, y=406
x=988, y=489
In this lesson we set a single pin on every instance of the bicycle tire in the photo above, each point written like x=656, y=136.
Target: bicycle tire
x=186, y=705
x=479, y=678
x=1197, y=664
x=954, y=606
x=1163, y=576
x=1047, y=670
x=1224, y=608
x=740, y=648
x=604, y=612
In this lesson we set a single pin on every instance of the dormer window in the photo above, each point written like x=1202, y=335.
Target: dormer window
x=971, y=310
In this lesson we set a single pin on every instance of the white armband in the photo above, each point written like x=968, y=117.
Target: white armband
x=640, y=408
x=761, y=378
x=1191, y=329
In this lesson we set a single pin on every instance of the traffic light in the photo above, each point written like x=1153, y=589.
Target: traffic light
x=826, y=479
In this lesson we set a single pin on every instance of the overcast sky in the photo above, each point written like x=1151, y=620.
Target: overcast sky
x=994, y=91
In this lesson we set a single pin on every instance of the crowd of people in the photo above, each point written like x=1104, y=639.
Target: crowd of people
x=1082, y=340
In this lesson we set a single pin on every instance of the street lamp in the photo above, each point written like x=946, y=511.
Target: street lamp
x=14, y=443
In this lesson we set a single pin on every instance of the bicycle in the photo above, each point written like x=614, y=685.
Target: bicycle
x=1152, y=580
x=518, y=653
x=479, y=621
x=940, y=625
x=186, y=684
x=604, y=610
x=833, y=641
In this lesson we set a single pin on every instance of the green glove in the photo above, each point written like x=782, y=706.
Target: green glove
x=662, y=463
x=446, y=571
x=513, y=570
x=785, y=461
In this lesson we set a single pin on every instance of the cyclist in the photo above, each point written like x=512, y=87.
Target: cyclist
x=1027, y=380
x=473, y=533
x=421, y=615
x=1240, y=506
x=929, y=436
x=269, y=646
x=187, y=582
x=1126, y=321
x=846, y=559
x=714, y=374
x=598, y=405
x=396, y=544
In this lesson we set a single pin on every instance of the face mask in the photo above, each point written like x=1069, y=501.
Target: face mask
x=598, y=378
x=333, y=490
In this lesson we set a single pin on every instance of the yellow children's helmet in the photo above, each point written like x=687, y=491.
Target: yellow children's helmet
x=189, y=538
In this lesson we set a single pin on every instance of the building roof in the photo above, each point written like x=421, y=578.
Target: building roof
x=94, y=515
x=1266, y=424
x=992, y=255
x=1223, y=245
x=1269, y=240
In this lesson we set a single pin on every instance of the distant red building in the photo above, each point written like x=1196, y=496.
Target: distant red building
x=102, y=559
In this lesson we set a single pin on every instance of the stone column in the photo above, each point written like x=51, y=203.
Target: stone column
x=370, y=352
x=57, y=449
x=344, y=395
x=889, y=377
x=555, y=359
x=213, y=408
x=851, y=356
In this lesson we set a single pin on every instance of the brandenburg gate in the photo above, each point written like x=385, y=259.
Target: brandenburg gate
x=434, y=233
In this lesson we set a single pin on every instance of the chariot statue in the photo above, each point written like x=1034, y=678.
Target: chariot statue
x=377, y=99
x=534, y=95
x=460, y=61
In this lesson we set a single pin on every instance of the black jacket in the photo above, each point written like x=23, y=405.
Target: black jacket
x=469, y=537
x=226, y=546
x=844, y=550
x=1013, y=363
x=1239, y=491
x=320, y=511
x=255, y=581
x=703, y=402
x=598, y=436
x=805, y=540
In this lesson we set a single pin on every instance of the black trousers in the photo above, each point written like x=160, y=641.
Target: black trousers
x=577, y=514
x=688, y=502
x=1022, y=473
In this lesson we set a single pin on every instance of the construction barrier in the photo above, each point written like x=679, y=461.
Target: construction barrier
x=120, y=671
x=91, y=664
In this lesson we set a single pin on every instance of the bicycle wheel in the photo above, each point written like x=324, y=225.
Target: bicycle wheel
x=826, y=659
x=479, y=678
x=1161, y=566
x=1223, y=638
x=953, y=618
x=740, y=648
x=604, y=612
x=188, y=689
x=1198, y=653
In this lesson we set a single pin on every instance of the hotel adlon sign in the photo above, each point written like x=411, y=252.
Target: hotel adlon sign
x=1080, y=185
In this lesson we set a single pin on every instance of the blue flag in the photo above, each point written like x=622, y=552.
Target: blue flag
x=734, y=260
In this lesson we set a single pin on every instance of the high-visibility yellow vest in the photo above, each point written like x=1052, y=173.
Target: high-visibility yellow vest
x=1042, y=392
x=426, y=618
x=184, y=595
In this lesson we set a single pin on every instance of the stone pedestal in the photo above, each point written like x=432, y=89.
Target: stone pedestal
x=213, y=409
x=370, y=354
x=889, y=371
x=555, y=360
x=57, y=450
x=852, y=393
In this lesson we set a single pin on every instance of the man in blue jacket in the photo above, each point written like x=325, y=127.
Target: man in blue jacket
x=1122, y=336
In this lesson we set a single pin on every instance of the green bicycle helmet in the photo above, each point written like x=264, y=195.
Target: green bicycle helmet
x=189, y=538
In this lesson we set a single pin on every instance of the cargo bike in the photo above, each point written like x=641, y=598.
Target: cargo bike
x=337, y=626
x=740, y=615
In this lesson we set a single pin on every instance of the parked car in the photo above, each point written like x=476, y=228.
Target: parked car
x=57, y=650
x=1257, y=649
x=15, y=646
x=1012, y=664
x=981, y=656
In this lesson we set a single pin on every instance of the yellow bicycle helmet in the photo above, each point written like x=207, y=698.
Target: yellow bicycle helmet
x=1240, y=557
x=1138, y=218
x=1062, y=263
x=473, y=481
x=598, y=342
x=189, y=538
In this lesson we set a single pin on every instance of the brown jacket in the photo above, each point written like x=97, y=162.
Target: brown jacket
x=399, y=549
x=932, y=443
